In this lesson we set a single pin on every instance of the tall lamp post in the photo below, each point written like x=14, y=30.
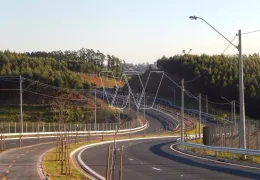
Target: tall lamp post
x=242, y=136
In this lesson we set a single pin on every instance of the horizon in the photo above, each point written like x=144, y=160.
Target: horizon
x=137, y=32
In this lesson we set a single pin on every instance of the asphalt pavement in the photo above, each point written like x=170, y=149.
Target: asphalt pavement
x=154, y=159
x=21, y=163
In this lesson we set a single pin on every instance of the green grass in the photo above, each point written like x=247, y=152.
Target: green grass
x=31, y=112
x=224, y=155
x=52, y=167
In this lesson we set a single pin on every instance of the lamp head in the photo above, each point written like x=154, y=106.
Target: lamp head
x=193, y=17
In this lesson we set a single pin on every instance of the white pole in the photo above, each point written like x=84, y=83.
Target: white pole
x=242, y=136
x=199, y=116
x=21, y=105
x=182, y=109
x=95, y=113
x=144, y=105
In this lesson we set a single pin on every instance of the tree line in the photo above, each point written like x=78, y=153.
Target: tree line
x=217, y=76
x=84, y=60
x=57, y=67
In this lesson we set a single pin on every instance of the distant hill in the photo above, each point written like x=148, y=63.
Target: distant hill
x=217, y=76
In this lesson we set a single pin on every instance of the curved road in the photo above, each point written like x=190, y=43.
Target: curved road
x=154, y=159
x=22, y=163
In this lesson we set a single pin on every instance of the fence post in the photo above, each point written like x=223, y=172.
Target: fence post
x=15, y=127
x=248, y=134
x=49, y=127
x=2, y=144
x=26, y=127
x=20, y=140
x=9, y=127
x=257, y=135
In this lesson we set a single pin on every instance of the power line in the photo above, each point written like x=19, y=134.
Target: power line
x=229, y=44
x=172, y=80
x=195, y=78
x=250, y=32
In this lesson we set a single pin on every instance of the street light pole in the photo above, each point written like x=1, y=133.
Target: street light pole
x=242, y=135
x=199, y=116
x=21, y=104
x=95, y=112
x=242, y=140
x=182, y=109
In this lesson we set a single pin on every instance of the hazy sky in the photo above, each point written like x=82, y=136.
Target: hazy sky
x=134, y=30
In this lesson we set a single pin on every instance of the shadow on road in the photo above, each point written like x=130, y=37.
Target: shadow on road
x=158, y=149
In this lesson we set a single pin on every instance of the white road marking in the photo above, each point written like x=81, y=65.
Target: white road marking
x=13, y=143
x=156, y=169
x=130, y=159
x=83, y=148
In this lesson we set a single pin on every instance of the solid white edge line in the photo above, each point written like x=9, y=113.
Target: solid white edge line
x=83, y=148
x=212, y=160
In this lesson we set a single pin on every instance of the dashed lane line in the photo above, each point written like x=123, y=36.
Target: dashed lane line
x=156, y=168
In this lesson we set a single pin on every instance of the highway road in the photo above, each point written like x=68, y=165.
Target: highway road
x=154, y=159
x=21, y=163
x=156, y=121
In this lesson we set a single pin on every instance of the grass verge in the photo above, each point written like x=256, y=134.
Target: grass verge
x=224, y=155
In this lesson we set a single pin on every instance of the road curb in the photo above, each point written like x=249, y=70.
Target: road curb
x=86, y=168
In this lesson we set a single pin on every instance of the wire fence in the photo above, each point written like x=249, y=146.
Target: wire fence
x=228, y=135
x=30, y=127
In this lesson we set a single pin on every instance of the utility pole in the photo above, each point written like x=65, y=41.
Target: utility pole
x=174, y=101
x=137, y=107
x=207, y=106
x=231, y=115
x=234, y=111
x=242, y=136
x=95, y=113
x=144, y=105
x=199, y=116
x=182, y=109
x=21, y=104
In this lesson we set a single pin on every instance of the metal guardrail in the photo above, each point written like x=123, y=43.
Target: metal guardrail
x=250, y=152
x=110, y=132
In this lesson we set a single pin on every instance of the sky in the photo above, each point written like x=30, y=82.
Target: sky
x=134, y=30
